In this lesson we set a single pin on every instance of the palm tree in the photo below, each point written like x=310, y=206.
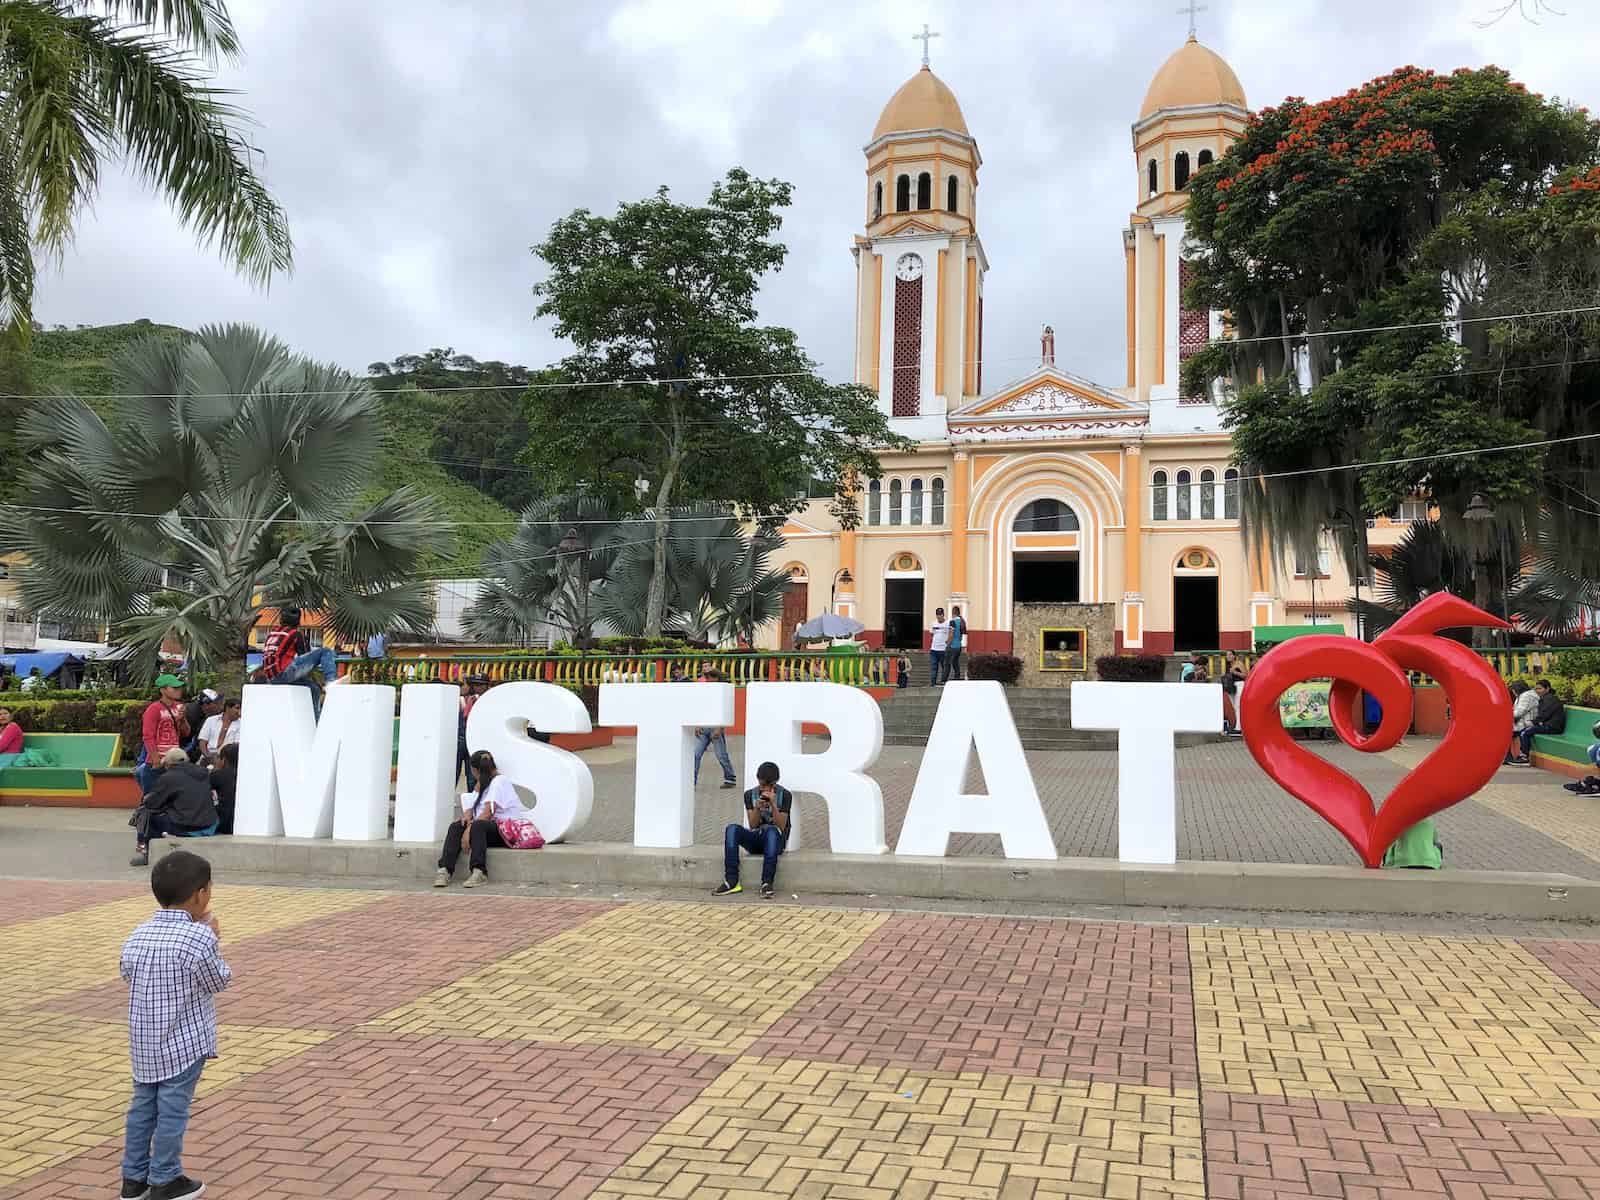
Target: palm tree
x=547, y=572
x=719, y=581
x=1551, y=598
x=226, y=480
x=85, y=80
x=1423, y=562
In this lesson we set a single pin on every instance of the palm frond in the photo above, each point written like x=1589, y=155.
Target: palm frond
x=202, y=25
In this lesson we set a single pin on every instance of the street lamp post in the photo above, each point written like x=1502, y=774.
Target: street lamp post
x=841, y=576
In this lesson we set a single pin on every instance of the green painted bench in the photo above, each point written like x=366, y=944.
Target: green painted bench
x=1573, y=745
x=82, y=759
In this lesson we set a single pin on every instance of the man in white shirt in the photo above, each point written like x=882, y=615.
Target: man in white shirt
x=219, y=730
x=936, y=647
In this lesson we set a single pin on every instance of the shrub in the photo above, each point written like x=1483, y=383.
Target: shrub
x=83, y=716
x=1131, y=668
x=1007, y=668
x=1578, y=662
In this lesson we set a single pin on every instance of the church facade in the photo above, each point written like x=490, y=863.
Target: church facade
x=1051, y=488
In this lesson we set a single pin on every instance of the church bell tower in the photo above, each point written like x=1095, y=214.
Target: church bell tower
x=920, y=265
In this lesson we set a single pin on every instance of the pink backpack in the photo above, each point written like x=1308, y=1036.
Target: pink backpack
x=519, y=834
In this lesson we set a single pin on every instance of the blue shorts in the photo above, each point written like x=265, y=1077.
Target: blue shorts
x=1594, y=754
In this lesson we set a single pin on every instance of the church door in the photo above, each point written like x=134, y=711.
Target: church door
x=902, y=614
x=795, y=603
x=1194, y=613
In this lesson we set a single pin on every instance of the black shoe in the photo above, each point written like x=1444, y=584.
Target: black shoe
x=180, y=1188
x=135, y=1189
x=766, y=891
x=1576, y=787
x=728, y=783
x=728, y=889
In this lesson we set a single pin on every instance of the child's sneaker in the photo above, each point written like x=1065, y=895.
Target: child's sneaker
x=728, y=889
x=181, y=1188
x=475, y=878
x=135, y=1189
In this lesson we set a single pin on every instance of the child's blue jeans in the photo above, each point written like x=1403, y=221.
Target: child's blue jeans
x=157, y=1119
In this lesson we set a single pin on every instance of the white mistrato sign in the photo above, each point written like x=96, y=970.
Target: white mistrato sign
x=309, y=779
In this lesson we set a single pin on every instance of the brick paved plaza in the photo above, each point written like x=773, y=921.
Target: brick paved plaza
x=392, y=1045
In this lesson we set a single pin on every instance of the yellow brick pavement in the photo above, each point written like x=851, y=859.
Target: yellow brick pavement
x=65, y=1088
x=1456, y=1023
x=54, y=956
x=699, y=977
x=793, y=1128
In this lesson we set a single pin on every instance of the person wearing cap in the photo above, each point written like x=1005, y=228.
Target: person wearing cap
x=197, y=712
x=288, y=657
x=472, y=687
x=165, y=727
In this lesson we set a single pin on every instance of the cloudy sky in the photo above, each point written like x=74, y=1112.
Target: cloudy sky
x=422, y=146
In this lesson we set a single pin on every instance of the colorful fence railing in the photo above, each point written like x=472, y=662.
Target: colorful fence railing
x=591, y=670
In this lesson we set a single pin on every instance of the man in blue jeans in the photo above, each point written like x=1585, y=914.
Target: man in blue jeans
x=958, y=643
x=767, y=808
x=288, y=658
x=712, y=736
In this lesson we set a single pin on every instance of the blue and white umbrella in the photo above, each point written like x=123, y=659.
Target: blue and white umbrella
x=830, y=625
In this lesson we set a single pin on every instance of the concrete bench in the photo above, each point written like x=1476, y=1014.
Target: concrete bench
x=88, y=773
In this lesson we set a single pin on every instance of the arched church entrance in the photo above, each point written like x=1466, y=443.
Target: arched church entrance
x=903, y=600
x=1044, y=565
x=1196, y=601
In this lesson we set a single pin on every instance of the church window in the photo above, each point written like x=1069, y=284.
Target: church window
x=874, y=503
x=1158, y=496
x=1230, y=495
x=1046, y=516
x=1185, y=485
x=1205, y=158
x=894, y=502
x=938, y=502
x=950, y=194
x=902, y=194
x=1208, y=495
x=924, y=190
x=907, y=383
x=1180, y=170
x=916, y=502
x=1151, y=171
x=877, y=200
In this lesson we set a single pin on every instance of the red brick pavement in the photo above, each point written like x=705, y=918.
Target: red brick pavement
x=1053, y=999
x=31, y=899
x=386, y=1117
x=336, y=972
x=1576, y=962
x=1263, y=1148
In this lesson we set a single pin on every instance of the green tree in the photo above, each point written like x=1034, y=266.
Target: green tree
x=659, y=302
x=227, y=480
x=1345, y=239
x=80, y=82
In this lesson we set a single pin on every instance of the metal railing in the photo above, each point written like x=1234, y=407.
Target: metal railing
x=591, y=670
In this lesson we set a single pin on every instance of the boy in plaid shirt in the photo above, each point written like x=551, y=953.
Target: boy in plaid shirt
x=173, y=966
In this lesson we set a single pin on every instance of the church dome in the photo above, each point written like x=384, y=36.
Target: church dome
x=1193, y=75
x=923, y=102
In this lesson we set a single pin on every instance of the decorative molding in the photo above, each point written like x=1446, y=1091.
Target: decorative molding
x=1046, y=398
x=1061, y=427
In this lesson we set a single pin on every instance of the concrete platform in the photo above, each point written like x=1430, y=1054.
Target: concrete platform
x=1263, y=887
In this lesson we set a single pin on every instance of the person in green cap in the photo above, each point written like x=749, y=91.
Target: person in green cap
x=165, y=726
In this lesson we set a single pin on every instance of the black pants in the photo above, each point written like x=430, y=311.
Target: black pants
x=1527, y=735
x=484, y=834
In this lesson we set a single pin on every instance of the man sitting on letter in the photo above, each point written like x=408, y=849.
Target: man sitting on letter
x=765, y=832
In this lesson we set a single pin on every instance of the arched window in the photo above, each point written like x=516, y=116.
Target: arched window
x=1205, y=158
x=938, y=502
x=1180, y=170
x=1046, y=516
x=894, y=502
x=916, y=502
x=950, y=188
x=1158, y=496
x=924, y=190
x=874, y=503
x=877, y=200
x=1230, y=495
x=1151, y=171
x=902, y=193
x=1208, y=495
x=1185, y=481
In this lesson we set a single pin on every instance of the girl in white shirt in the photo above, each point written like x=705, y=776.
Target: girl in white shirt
x=495, y=816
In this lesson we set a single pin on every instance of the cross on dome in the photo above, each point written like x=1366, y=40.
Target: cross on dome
x=924, y=37
x=1189, y=10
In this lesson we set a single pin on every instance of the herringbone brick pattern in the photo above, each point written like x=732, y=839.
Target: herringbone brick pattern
x=43, y=898
x=664, y=976
x=1050, y=999
x=1449, y=1023
x=395, y=1046
x=782, y=1128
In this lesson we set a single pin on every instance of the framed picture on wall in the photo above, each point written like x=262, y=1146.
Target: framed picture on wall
x=1062, y=650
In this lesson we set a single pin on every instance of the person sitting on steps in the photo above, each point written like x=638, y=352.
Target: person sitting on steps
x=767, y=809
x=495, y=816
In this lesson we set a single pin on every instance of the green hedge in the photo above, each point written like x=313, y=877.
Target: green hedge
x=82, y=716
x=1007, y=668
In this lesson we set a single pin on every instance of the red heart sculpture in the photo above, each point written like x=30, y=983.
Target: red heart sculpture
x=1472, y=750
